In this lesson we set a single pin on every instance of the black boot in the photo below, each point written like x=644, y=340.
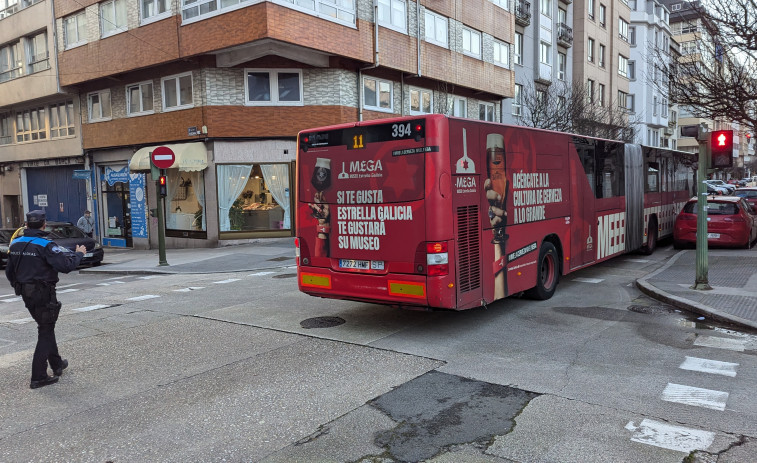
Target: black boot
x=43, y=382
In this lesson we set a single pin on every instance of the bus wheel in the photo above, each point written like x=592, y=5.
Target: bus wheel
x=651, y=239
x=548, y=273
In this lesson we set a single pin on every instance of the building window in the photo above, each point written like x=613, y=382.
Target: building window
x=339, y=10
x=501, y=53
x=177, y=92
x=590, y=9
x=436, y=28
x=62, y=119
x=625, y=101
x=623, y=29
x=153, y=10
x=562, y=62
x=562, y=16
x=632, y=35
x=194, y=8
x=601, y=94
x=601, y=55
x=561, y=103
x=112, y=17
x=421, y=101
x=590, y=90
x=185, y=205
x=253, y=197
x=279, y=87
x=393, y=14
x=139, y=99
x=377, y=94
x=590, y=50
x=486, y=112
x=541, y=98
x=502, y=4
x=6, y=129
x=518, y=100
x=689, y=47
x=632, y=70
x=460, y=107
x=10, y=62
x=602, y=15
x=471, y=42
x=664, y=107
x=31, y=125
x=518, y=48
x=545, y=7
x=98, y=105
x=75, y=30
x=545, y=53
x=36, y=53
x=622, y=65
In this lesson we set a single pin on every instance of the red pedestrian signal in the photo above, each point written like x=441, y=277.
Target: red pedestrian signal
x=162, y=185
x=721, y=149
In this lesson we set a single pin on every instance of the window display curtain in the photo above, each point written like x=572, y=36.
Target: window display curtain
x=172, y=185
x=231, y=181
x=198, y=185
x=276, y=178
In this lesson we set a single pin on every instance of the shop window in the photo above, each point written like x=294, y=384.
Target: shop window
x=253, y=197
x=185, y=204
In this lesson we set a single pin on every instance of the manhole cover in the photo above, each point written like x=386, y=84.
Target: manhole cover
x=285, y=275
x=652, y=310
x=279, y=259
x=321, y=322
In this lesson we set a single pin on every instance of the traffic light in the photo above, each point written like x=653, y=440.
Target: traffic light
x=721, y=149
x=162, y=185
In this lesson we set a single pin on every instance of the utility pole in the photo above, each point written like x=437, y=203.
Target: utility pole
x=701, y=282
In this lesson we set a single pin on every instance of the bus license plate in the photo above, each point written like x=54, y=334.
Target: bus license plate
x=358, y=264
x=713, y=235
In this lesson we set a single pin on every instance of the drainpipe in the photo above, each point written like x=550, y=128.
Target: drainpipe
x=372, y=66
x=418, y=36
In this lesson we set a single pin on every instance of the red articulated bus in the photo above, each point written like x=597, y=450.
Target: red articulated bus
x=440, y=212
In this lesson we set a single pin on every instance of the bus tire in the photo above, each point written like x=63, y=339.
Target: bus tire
x=651, y=245
x=547, y=273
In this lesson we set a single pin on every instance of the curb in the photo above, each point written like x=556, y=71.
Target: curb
x=686, y=304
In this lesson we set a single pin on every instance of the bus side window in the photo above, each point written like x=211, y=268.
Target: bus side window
x=610, y=170
x=586, y=155
x=652, y=178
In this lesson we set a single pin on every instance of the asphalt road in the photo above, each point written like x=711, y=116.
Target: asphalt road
x=243, y=367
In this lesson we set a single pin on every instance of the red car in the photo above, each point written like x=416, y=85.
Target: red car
x=731, y=221
x=748, y=193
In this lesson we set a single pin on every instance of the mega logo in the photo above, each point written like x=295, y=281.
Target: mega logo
x=611, y=234
x=466, y=182
x=365, y=166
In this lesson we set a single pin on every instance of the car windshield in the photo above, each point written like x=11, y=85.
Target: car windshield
x=746, y=193
x=65, y=231
x=713, y=208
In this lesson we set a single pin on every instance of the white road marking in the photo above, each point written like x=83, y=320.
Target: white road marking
x=142, y=298
x=114, y=278
x=22, y=320
x=721, y=343
x=589, y=280
x=7, y=295
x=68, y=286
x=670, y=437
x=191, y=288
x=13, y=299
x=695, y=396
x=715, y=367
x=69, y=290
x=112, y=283
x=148, y=277
x=230, y=280
x=640, y=261
x=260, y=274
x=91, y=307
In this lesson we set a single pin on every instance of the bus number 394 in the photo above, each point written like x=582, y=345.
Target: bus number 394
x=400, y=130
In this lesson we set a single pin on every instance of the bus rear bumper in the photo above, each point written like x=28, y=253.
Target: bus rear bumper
x=400, y=289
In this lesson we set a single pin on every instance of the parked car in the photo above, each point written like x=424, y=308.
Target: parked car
x=5, y=239
x=748, y=193
x=69, y=236
x=731, y=221
x=721, y=184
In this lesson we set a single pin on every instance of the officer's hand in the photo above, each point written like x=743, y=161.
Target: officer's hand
x=80, y=248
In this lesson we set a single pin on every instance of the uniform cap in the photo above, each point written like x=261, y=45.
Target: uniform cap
x=87, y=212
x=35, y=217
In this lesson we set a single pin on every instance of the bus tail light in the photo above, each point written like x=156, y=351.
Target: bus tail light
x=297, y=251
x=437, y=259
x=301, y=251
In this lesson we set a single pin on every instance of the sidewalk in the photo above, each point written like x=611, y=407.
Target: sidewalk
x=263, y=254
x=732, y=274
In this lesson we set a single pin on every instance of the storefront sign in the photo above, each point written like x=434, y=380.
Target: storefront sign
x=138, y=205
x=113, y=176
x=81, y=174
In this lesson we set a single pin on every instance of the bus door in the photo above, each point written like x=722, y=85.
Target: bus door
x=584, y=227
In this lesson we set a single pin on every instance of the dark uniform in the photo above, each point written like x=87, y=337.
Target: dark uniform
x=33, y=265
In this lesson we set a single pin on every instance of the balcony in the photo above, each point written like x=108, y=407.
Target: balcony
x=564, y=35
x=567, y=2
x=522, y=13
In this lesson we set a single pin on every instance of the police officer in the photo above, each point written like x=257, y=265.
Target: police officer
x=33, y=265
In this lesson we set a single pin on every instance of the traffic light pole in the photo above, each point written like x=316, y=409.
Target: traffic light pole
x=701, y=281
x=161, y=224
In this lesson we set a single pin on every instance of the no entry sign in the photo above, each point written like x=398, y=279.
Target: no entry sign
x=162, y=157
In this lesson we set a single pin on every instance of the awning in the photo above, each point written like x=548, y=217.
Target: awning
x=189, y=157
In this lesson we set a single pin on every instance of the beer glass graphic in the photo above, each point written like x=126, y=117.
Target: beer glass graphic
x=495, y=168
x=321, y=181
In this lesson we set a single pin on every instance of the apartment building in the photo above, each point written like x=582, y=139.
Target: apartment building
x=602, y=51
x=40, y=129
x=227, y=84
x=652, y=53
x=542, y=52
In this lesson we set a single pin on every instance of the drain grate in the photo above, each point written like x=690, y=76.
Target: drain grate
x=322, y=322
x=651, y=310
x=285, y=275
x=279, y=259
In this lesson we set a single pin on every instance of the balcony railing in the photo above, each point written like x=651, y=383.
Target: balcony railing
x=522, y=13
x=564, y=35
